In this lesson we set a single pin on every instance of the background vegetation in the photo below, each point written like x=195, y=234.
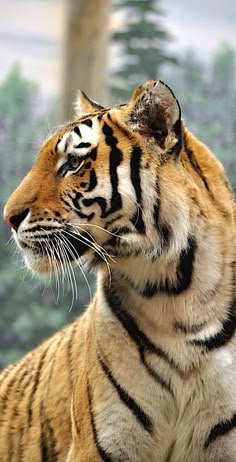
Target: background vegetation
x=29, y=311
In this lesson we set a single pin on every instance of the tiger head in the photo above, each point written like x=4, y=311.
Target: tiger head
x=124, y=181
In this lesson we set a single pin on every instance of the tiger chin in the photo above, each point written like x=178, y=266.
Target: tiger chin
x=147, y=373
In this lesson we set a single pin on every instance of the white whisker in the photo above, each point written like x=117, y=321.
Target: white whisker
x=76, y=256
x=92, y=246
x=69, y=271
x=106, y=231
x=67, y=249
x=52, y=266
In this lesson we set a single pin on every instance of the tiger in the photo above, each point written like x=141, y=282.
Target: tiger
x=147, y=373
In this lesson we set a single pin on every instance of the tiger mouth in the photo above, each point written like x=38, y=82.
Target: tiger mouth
x=61, y=246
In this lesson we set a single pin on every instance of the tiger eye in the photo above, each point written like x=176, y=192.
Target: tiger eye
x=75, y=161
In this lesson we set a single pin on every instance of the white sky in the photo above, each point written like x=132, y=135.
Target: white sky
x=32, y=31
x=201, y=24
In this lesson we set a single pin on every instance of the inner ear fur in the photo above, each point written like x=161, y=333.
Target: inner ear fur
x=154, y=112
x=85, y=105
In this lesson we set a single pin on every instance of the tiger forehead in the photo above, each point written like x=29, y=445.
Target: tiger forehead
x=80, y=138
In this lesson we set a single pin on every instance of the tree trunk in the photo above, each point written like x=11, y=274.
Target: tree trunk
x=85, y=59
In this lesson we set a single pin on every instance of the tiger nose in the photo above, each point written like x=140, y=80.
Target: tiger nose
x=15, y=219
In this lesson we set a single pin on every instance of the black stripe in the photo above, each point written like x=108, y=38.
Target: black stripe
x=135, y=160
x=222, y=337
x=96, y=200
x=184, y=273
x=93, y=154
x=4, y=373
x=92, y=181
x=115, y=160
x=47, y=441
x=14, y=381
x=12, y=420
x=131, y=327
x=53, y=360
x=77, y=131
x=189, y=328
x=165, y=234
x=135, y=172
x=112, y=220
x=44, y=447
x=89, y=122
x=117, y=234
x=163, y=229
x=137, y=220
x=21, y=383
x=54, y=455
x=220, y=429
x=156, y=208
x=56, y=147
x=154, y=374
x=67, y=204
x=42, y=228
x=77, y=207
x=82, y=215
x=198, y=170
x=106, y=457
x=35, y=386
x=136, y=410
x=83, y=145
x=197, y=167
x=177, y=129
x=21, y=445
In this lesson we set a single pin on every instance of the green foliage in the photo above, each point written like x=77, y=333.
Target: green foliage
x=29, y=313
x=142, y=43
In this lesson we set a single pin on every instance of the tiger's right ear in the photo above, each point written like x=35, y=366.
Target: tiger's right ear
x=155, y=113
x=84, y=105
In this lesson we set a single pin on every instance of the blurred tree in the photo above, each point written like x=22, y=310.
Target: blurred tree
x=223, y=70
x=142, y=41
x=86, y=44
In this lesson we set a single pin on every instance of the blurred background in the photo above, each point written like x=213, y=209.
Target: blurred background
x=51, y=48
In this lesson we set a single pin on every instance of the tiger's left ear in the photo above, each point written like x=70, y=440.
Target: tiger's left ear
x=85, y=105
x=155, y=113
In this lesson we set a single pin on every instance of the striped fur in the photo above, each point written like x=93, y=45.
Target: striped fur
x=148, y=372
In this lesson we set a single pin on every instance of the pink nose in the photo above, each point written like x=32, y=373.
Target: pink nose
x=15, y=219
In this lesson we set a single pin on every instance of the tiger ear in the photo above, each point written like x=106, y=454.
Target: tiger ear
x=85, y=105
x=155, y=113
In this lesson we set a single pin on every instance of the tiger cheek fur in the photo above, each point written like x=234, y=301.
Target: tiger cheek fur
x=147, y=373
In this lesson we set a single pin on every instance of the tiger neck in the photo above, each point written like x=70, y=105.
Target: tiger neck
x=170, y=300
